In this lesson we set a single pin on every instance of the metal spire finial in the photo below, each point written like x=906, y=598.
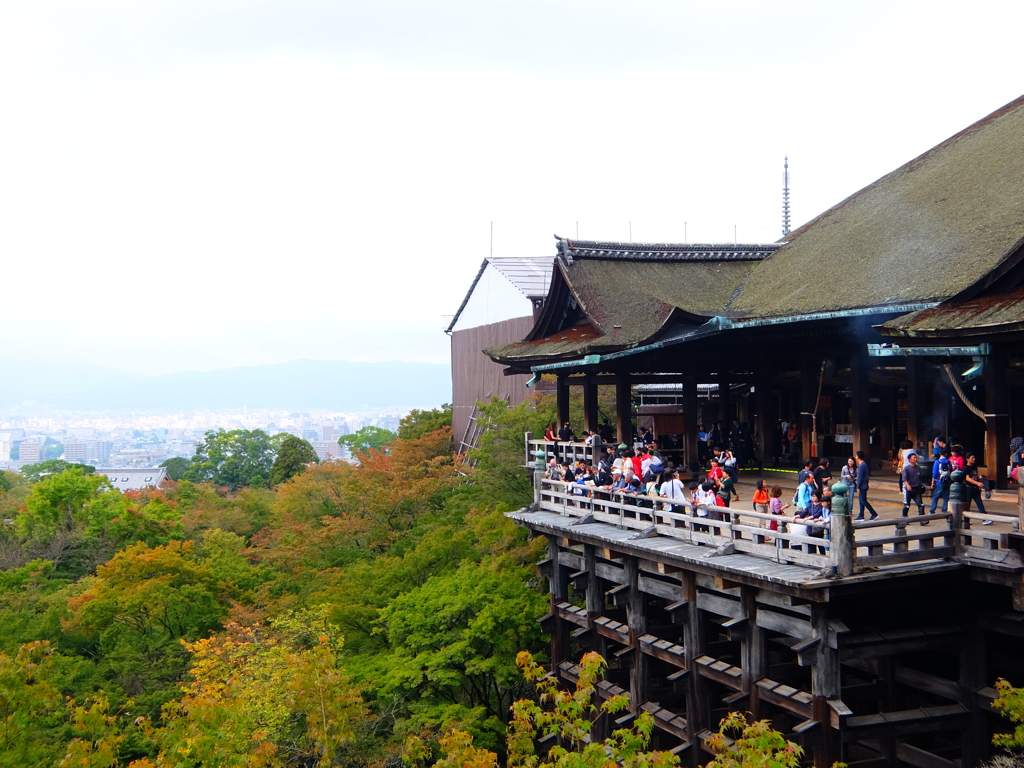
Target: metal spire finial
x=785, y=196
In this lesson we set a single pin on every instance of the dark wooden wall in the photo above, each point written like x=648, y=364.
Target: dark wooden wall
x=475, y=377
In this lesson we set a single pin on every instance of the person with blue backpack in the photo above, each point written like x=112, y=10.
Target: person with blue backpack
x=942, y=469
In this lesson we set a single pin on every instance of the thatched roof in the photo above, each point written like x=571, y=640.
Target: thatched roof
x=924, y=232
x=607, y=296
x=950, y=223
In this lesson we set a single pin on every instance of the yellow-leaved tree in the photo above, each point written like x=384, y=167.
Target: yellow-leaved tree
x=262, y=696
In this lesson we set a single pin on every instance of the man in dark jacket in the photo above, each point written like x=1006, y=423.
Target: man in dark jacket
x=913, y=487
x=863, y=473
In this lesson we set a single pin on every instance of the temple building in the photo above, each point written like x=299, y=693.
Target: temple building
x=896, y=314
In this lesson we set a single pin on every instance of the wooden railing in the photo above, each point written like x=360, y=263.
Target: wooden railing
x=557, y=450
x=732, y=529
x=875, y=543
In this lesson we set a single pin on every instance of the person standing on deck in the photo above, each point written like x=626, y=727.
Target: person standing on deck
x=822, y=474
x=803, y=494
x=941, y=471
x=863, y=473
x=565, y=436
x=913, y=487
x=673, y=490
x=975, y=484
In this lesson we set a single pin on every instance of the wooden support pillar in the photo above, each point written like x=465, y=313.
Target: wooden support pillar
x=558, y=591
x=916, y=401
x=725, y=409
x=698, y=713
x=974, y=743
x=590, y=418
x=859, y=364
x=623, y=409
x=562, y=400
x=595, y=609
x=886, y=422
x=753, y=652
x=691, y=435
x=887, y=702
x=636, y=618
x=825, y=684
x=997, y=420
x=941, y=392
x=594, y=595
x=764, y=420
x=810, y=369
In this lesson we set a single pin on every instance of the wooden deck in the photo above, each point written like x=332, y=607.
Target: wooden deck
x=739, y=541
x=885, y=658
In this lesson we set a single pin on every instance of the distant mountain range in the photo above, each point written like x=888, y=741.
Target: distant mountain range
x=300, y=385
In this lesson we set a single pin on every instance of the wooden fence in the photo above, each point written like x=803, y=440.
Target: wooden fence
x=876, y=543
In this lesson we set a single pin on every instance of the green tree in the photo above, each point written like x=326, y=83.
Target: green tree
x=36, y=472
x=176, y=468
x=501, y=451
x=1010, y=703
x=569, y=715
x=418, y=423
x=294, y=455
x=366, y=439
x=739, y=744
x=452, y=643
x=60, y=502
x=232, y=459
x=32, y=709
x=138, y=608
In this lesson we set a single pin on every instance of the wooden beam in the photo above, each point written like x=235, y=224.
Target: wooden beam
x=901, y=723
x=916, y=756
x=788, y=625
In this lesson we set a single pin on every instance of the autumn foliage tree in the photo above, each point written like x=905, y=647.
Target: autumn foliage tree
x=568, y=715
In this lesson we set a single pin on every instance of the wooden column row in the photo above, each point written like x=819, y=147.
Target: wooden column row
x=697, y=611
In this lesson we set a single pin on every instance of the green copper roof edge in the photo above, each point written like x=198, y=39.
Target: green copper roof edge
x=717, y=324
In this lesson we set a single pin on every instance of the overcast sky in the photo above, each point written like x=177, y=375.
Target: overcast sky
x=196, y=184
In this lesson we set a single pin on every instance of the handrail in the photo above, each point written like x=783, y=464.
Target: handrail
x=571, y=451
x=747, y=532
x=626, y=511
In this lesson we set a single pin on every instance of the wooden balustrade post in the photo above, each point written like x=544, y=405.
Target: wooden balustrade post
x=957, y=522
x=841, y=532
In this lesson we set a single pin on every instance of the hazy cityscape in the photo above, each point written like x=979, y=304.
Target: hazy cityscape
x=147, y=440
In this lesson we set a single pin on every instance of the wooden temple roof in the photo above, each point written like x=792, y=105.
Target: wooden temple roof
x=609, y=296
x=949, y=224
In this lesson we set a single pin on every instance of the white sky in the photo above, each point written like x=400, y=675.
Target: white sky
x=195, y=184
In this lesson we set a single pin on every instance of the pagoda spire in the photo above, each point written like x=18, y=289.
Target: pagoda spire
x=785, y=196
